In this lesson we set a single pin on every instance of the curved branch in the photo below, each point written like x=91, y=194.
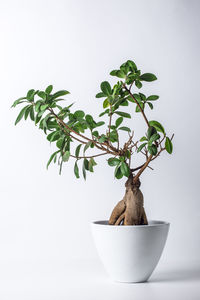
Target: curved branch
x=79, y=157
x=142, y=111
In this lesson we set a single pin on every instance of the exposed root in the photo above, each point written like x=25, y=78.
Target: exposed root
x=117, y=212
x=130, y=210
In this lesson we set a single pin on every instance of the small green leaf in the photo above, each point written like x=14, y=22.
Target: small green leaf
x=113, y=161
x=86, y=164
x=30, y=95
x=157, y=126
x=49, y=89
x=143, y=139
x=83, y=170
x=43, y=107
x=21, y=114
x=66, y=156
x=151, y=130
x=118, y=174
x=125, y=128
x=60, y=142
x=123, y=114
x=59, y=94
x=87, y=146
x=153, y=138
x=148, y=77
x=141, y=147
x=100, y=95
x=125, y=169
x=132, y=65
x=118, y=121
x=168, y=145
x=76, y=170
x=42, y=94
x=114, y=72
x=153, y=98
x=51, y=158
x=27, y=111
x=106, y=103
x=78, y=150
x=98, y=124
x=152, y=149
x=32, y=116
x=138, y=84
x=150, y=105
x=79, y=114
x=106, y=88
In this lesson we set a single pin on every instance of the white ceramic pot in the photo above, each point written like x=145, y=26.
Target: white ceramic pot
x=130, y=253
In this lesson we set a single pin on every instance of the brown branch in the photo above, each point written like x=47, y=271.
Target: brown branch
x=142, y=111
x=143, y=168
x=96, y=143
x=79, y=157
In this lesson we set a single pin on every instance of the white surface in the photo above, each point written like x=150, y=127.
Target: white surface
x=87, y=280
x=130, y=253
x=74, y=45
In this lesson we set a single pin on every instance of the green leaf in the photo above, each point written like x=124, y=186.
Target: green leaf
x=148, y=77
x=49, y=89
x=37, y=105
x=59, y=94
x=142, y=105
x=87, y=146
x=78, y=150
x=120, y=74
x=51, y=158
x=102, y=138
x=66, y=156
x=30, y=95
x=152, y=149
x=42, y=94
x=32, y=116
x=53, y=136
x=138, y=84
x=132, y=65
x=141, y=147
x=118, y=174
x=26, y=113
x=21, y=114
x=79, y=114
x=86, y=164
x=151, y=130
x=143, y=139
x=125, y=169
x=150, y=105
x=43, y=107
x=123, y=114
x=106, y=88
x=113, y=161
x=60, y=142
x=95, y=133
x=118, y=121
x=114, y=72
x=153, y=138
x=100, y=95
x=92, y=163
x=125, y=128
x=76, y=170
x=157, y=126
x=83, y=170
x=106, y=103
x=98, y=124
x=168, y=145
x=18, y=101
x=153, y=98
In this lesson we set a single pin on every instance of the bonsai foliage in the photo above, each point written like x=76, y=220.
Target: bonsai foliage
x=66, y=128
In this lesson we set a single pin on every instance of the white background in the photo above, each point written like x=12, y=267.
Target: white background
x=74, y=45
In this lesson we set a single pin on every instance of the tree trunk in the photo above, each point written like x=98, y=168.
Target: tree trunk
x=130, y=210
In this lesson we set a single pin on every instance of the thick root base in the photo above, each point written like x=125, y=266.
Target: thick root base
x=130, y=210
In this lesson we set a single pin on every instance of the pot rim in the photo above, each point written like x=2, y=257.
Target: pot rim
x=152, y=223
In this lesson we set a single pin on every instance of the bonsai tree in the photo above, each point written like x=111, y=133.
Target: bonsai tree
x=67, y=128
